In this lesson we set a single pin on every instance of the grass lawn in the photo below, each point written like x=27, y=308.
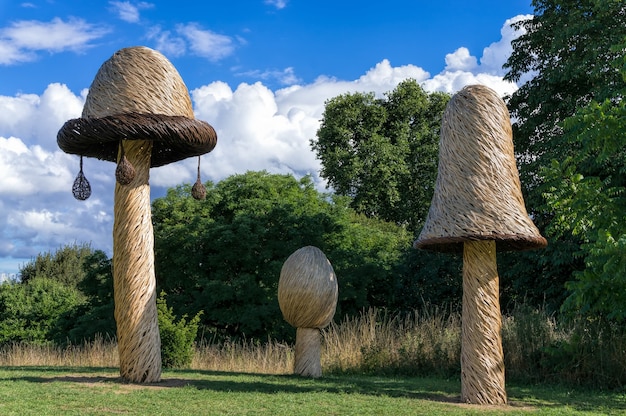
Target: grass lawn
x=99, y=391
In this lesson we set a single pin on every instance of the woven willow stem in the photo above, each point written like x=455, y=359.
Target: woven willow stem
x=139, y=343
x=482, y=359
x=308, y=352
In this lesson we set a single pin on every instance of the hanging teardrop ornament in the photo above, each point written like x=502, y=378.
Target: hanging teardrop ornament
x=125, y=172
x=81, y=188
x=198, y=190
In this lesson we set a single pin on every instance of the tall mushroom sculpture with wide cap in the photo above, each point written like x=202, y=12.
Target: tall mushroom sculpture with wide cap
x=137, y=113
x=478, y=208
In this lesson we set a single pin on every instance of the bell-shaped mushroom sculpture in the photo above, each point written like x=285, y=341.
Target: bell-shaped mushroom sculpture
x=478, y=208
x=137, y=113
x=307, y=295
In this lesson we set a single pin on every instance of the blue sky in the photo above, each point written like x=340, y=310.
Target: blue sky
x=258, y=71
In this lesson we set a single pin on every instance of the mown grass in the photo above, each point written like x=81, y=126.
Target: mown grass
x=373, y=364
x=99, y=391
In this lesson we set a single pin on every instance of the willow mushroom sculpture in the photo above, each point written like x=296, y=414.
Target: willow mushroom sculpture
x=478, y=209
x=307, y=295
x=137, y=113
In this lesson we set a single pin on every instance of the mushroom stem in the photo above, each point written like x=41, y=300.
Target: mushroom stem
x=139, y=343
x=482, y=359
x=308, y=352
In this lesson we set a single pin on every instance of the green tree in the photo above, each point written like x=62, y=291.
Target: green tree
x=65, y=265
x=383, y=152
x=568, y=48
x=96, y=316
x=223, y=255
x=593, y=206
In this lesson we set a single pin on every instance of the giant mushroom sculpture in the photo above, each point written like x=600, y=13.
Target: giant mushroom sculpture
x=307, y=295
x=137, y=113
x=478, y=208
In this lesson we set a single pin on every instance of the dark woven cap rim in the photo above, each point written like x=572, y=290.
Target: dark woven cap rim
x=174, y=137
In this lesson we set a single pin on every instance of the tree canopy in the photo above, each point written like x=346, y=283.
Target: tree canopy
x=223, y=255
x=571, y=48
x=588, y=198
x=382, y=152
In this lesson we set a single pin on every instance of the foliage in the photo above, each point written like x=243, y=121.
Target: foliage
x=383, y=152
x=33, y=311
x=177, y=338
x=592, y=206
x=96, y=317
x=568, y=49
x=223, y=255
x=65, y=265
x=62, y=296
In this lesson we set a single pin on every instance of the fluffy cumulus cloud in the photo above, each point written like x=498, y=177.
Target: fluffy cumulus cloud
x=462, y=68
x=258, y=129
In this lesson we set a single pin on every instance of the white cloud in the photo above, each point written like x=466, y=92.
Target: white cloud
x=285, y=77
x=38, y=118
x=463, y=69
x=20, y=41
x=258, y=128
x=206, y=43
x=279, y=4
x=496, y=54
x=461, y=60
x=192, y=38
x=31, y=170
x=128, y=11
x=166, y=42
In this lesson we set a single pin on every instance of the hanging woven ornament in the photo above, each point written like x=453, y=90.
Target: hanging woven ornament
x=81, y=188
x=198, y=190
x=125, y=172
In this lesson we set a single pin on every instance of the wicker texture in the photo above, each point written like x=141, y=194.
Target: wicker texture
x=308, y=351
x=134, y=281
x=175, y=137
x=482, y=359
x=307, y=289
x=81, y=189
x=477, y=193
x=307, y=296
x=138, y=113
x=137, y=95
x=137, y=80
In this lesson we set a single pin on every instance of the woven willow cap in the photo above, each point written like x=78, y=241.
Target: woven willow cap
x=137, y=95
x=477, y=193
x=307, y=289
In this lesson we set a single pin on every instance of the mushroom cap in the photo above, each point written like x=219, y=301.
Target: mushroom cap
x=137, y=94
x=477, y=192
x=307, y=289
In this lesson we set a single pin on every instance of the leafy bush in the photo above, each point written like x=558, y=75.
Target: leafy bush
x=177, y=338
x=33, y=311
x=224, y=254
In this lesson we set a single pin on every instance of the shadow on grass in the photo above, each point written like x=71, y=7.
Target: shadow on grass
x=431, y=389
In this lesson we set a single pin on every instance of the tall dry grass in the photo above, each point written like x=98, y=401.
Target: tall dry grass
x=97, y=353
x=271, y=357
x=374, y=341
x=420, y=342
x=425, y=342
